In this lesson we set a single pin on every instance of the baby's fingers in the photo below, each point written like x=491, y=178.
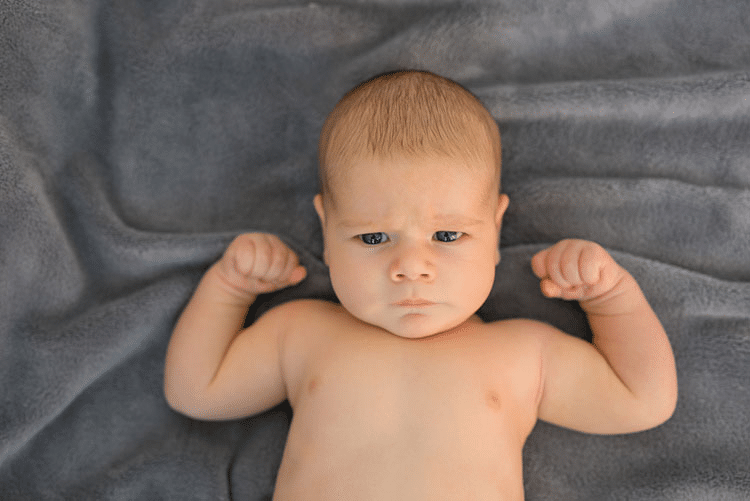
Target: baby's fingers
x=261, y=262
x=545, y=265
x=275, y=262
x=591, y=263
x=550, y=288
x=297, y=275
x=568, y=268
x=561, y=264
x=539, y=263
x=287, y=271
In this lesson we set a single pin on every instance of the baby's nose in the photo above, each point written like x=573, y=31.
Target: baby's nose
x=412, y=264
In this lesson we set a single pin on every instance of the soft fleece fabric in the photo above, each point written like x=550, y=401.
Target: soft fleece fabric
x=138, y=137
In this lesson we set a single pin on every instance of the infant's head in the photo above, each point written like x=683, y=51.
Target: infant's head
x=409, y=203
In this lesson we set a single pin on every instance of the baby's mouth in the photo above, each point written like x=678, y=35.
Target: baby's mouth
x=414, y=303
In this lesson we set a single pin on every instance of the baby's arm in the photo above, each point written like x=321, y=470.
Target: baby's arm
x=214, y=369
x=627, y=380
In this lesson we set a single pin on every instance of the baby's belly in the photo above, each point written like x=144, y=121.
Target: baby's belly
x=464, y=448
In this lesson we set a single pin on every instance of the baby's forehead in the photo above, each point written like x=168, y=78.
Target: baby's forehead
x=358, y=178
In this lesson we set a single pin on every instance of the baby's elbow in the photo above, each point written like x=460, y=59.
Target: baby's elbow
x=668, y=406
x=658, y=411
x=174, y=399
x=186, y=407
x=183, y=401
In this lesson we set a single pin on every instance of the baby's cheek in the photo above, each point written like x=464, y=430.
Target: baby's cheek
x=474, y=286
x=353, y=288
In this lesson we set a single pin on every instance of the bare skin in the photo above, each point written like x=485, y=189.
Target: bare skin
x=399, y=397
x=436, y=418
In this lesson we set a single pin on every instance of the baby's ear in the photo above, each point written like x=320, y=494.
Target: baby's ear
x=318, y=203
x=502, y=205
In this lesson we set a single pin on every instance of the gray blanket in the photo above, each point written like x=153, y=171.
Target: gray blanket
x=138, y=137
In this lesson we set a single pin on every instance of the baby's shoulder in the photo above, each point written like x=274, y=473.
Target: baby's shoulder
x=306, y=316
x=311, y=306
x=522, y=331
x=304, y=306
x=310, y=327
x=522, y=325
x=303, y=310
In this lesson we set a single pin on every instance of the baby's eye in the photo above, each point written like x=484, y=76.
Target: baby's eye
x=374, y=238
x=447, y=236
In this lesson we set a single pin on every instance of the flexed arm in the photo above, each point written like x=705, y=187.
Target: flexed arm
x=627, y=380
x=215, y=370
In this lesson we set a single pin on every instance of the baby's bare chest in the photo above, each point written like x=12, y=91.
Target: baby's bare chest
x=429, y=419
x=373, y=387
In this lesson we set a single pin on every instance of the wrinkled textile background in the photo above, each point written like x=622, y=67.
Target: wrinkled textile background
x=138, y=137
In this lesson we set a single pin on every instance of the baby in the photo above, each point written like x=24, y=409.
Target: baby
x=402, y=391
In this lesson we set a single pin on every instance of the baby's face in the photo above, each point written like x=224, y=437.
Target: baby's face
x=412, y=245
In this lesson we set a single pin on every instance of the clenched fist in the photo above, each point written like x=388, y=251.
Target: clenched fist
x=257, y=263
x=576, y=270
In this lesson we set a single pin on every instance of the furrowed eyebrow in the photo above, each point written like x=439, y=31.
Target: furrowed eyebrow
x=454, y=220
x=355, y=224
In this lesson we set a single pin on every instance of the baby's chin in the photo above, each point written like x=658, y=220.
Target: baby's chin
x=418, y=326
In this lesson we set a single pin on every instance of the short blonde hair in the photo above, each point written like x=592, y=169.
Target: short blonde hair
x=407, y=113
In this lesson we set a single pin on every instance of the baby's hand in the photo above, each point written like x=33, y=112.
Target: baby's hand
x=257, y=263
x=576, y=270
